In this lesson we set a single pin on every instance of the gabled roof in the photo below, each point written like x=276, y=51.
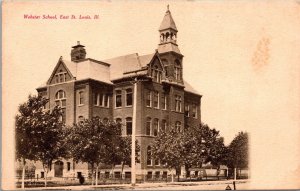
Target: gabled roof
x=111, y=69
x=167, y=22
x=122, y=65
x=85, y=69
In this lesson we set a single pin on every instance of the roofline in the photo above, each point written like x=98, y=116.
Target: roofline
x=135, y=71
x=91, y=59
x=172, y=52
x=87, y=79
x=193, y=93
x=40, y=88
x=125, y=77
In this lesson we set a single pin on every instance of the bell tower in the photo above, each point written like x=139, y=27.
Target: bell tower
x=168, y=50
x=78, y=52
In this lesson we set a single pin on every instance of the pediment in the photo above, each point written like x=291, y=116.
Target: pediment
x=60, y=74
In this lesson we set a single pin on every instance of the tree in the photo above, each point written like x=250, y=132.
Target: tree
x=98, y=142
x=121, y=152
x=192, y=147
x=39, y=133
x=168, y=147
x=85, y=142
x=202, y=145
x=237, y=156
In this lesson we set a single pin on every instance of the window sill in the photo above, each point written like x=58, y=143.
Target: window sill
x=118, y=107
x=128, y=106
x=101, y=106
x=80, y=105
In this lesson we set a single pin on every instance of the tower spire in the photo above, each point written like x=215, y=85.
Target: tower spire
x=168, y=33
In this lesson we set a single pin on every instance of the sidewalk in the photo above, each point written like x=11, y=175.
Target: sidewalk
x=202, y=185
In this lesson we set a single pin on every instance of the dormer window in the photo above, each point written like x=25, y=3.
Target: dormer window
x=156, y=74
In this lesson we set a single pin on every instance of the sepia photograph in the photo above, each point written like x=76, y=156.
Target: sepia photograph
x=150, y=95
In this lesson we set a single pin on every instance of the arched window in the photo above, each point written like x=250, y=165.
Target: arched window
x=178, y=126
x=163, y=125
x=167, y=36
x=60, y=98
x=128, y=126
x=149, y=156
x=155, y=127
x=105, y=120
x=80, y=119
x=118, y=120
x=61, y=101
x=129, y=97
x=148, y=126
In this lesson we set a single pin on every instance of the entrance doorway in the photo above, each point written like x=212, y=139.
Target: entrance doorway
x=58, y=168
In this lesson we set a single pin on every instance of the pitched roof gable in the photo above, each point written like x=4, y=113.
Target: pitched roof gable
x=123, y=65
x=69, y=69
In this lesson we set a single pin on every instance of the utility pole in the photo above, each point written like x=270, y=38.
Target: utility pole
x=133, y=167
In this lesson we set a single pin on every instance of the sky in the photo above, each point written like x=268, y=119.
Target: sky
x=242, y=56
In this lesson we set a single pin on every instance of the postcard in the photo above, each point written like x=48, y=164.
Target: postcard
x=157, y=95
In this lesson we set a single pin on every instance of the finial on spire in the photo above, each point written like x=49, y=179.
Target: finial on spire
x=168, y=6
x=78, y=42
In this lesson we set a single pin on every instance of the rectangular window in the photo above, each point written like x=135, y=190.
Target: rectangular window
x=156, y=100
x=178, y=103
x=164, y=102
x=148, y=99
x=68, y=166
x=106, y=174
x=148, y=126
x=129, y=97
x=95, y=100
x=129, y=126
x=118, y=98
x=127, y=175
x=156, y=162
x=81, y=98
x=157, y=174
x=194, y=111
x=163, y=125
x=155, y=127
x=63, y=117
x=187, y=110
x=56, y=79
x=149, y=175
x=117, y=174
x=63, y=103
x=106, y=100
x=100, y=101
